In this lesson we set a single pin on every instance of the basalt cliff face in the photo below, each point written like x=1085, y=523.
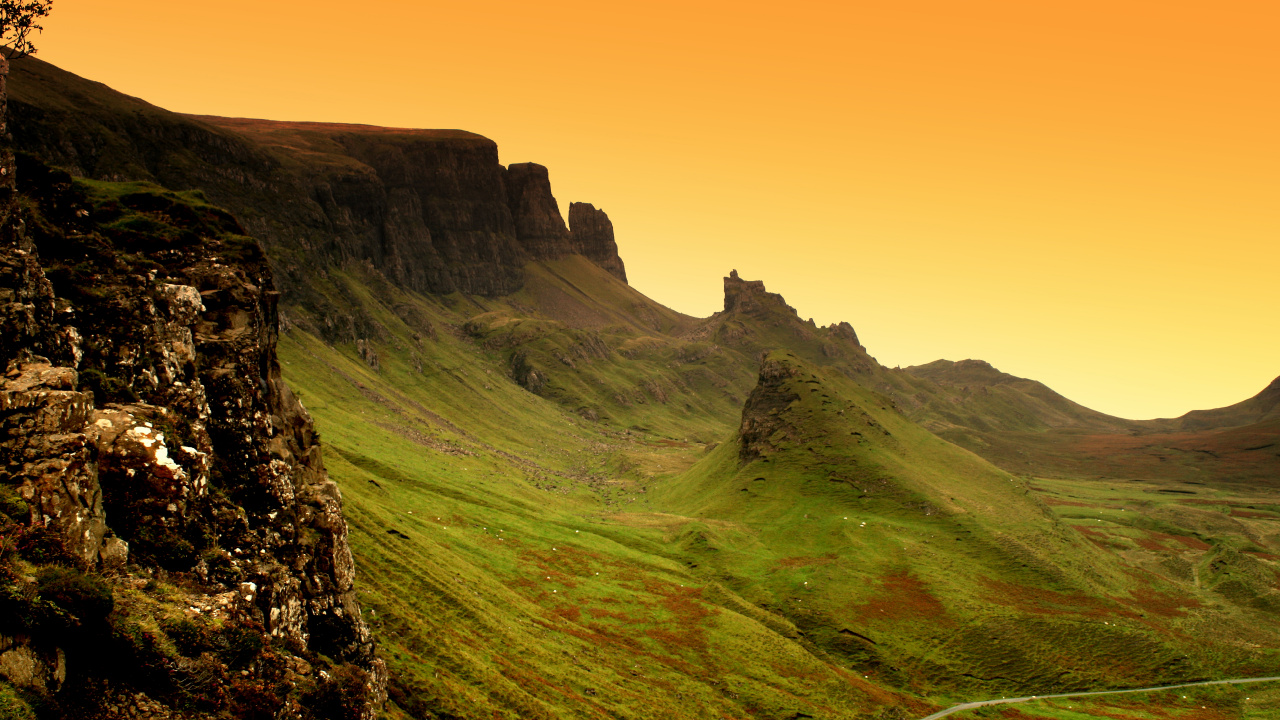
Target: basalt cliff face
x=433, y=210
x=593, y=237
x=170, y=543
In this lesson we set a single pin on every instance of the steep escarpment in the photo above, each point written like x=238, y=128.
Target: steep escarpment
x=593, y=237
x=541, y=230
x=432, y=210
x=173, y=541
x=539, y=225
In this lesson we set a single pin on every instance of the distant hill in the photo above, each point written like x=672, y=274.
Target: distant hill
x=1261, y=408
x=976, y=395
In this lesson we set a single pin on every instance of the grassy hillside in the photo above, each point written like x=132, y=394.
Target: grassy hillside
x=851, y=563
x=930, y=567
x=507, y=567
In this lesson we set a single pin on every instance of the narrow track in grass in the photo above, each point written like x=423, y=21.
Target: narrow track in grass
x=1004, y=701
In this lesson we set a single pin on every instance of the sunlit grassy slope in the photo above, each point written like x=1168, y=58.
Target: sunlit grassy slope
x=595, y=543
x=499, y=574
x=936, y=570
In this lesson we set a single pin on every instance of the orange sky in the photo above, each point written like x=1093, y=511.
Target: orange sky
x=1084, y=193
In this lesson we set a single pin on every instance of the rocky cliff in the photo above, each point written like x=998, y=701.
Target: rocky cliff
x=433, y=210
x=539, y=225
x=593, y=237
x=757, y=320
x=171, y=543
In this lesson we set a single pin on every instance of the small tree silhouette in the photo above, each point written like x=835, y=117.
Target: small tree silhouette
x=18, y=19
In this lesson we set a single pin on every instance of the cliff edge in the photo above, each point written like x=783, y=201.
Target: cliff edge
x=171, y=540
x=432, y=210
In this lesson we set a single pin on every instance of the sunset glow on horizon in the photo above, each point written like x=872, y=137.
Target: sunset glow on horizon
x=1086, y=194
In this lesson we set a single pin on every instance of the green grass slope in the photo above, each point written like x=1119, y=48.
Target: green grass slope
x=503, y=560
x=818, y=552
x=922, y=565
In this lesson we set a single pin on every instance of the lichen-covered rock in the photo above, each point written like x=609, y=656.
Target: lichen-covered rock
x=167, y=444
x=47, y=452
x=32, y=666
x=367, y=353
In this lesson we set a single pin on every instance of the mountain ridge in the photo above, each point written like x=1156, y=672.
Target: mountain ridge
x=428, y=208
x=85, y=126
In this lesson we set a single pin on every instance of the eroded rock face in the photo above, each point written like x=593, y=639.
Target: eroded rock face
x=48, y=452
x=167, y=440
x=750, y=297
x=764, y=419
x=593, y=236
x=539, y=226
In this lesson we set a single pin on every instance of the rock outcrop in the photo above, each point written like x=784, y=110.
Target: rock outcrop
x=750, y=297
x=539, y=225
x=755, y=318
x=147, y=432
x=593, y=237
x=764, y=420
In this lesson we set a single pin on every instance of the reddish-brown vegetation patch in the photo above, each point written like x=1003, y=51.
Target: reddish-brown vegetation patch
x=1163, y=604
x=600, y=613
x=567, y=612
x=1148, y=543
x=881, y=697
x=562, y=564
x=539, y=686
x=901, y=596
x=792, y=563
x=1040, y=601
x=1262, y=555
x=1160, y=542
x=1191, y=543
x=604, y=636
x=1098, y=537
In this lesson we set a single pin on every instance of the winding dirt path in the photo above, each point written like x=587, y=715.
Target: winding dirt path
x=1004, y=701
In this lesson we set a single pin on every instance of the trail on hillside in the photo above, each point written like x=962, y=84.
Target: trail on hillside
x=1004, y=701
